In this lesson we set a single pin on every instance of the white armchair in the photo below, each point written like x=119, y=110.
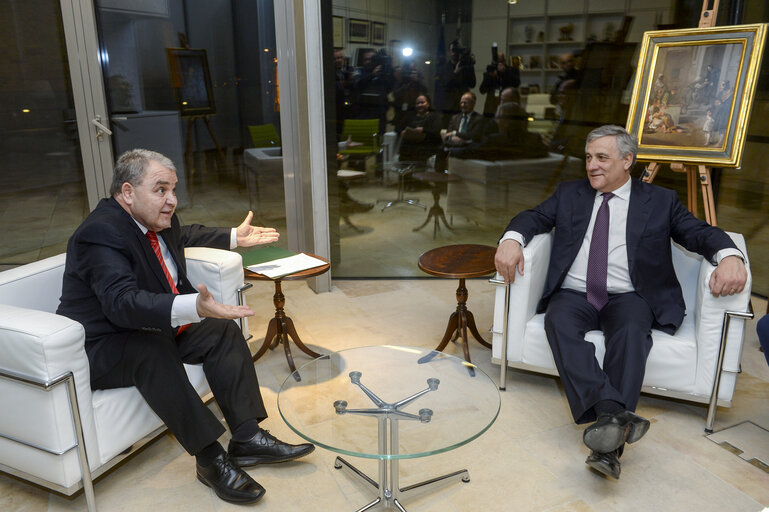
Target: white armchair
x=699, y=363
x=52, y=423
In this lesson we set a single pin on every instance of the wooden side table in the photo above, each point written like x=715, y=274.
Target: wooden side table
x=281, y=328
x=460, y=261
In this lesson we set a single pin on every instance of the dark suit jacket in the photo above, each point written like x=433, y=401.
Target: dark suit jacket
x=114, y=284
x=655, y=215
x=477, y=127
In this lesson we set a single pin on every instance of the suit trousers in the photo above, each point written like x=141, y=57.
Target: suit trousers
x=153, y=363
x=626, y=321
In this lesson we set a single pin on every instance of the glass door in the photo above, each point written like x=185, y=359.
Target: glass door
x=42, y=180
x=197, y=81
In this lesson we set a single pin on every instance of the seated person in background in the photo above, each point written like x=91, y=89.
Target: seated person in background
x=611, y=269
x=465, y=129
x=762, y=329
x=125, y=282
x=420, y=132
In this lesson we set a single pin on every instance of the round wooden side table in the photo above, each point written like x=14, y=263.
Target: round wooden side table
x=460, y=262
x=438, y=181
x=281, y=327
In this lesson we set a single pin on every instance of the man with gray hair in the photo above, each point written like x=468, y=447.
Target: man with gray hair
x=611, y=269
x=125, y=281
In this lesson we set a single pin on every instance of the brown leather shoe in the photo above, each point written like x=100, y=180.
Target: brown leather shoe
x=229, y=482
x=265, y=448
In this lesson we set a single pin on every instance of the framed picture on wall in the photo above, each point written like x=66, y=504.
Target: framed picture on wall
x=338, y=31
x=378, y=33
x=191, y=80
x=358, y=31
x=693, y=94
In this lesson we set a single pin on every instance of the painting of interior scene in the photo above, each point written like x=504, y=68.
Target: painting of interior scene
x=691, y=97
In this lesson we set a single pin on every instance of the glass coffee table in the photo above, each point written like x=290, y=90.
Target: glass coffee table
x=389, y=403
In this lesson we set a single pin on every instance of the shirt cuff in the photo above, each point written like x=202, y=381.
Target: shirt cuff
x=184, y=310
x=233, y=238
x=723, y=253
x=513, y=235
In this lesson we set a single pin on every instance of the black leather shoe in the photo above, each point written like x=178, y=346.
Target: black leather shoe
x=265, y=448
x=605, y=463
x=611, y=431
x=229, y=482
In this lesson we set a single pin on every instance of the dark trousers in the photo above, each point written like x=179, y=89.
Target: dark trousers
x=626, y=322
x=154, y=364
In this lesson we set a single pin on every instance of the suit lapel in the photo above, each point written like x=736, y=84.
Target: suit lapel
x=638, y=214
x=582, y=210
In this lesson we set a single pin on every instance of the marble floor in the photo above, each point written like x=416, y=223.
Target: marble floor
x=531, y=459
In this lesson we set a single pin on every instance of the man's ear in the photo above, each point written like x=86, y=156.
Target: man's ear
x=126, y=193
x=627, y=161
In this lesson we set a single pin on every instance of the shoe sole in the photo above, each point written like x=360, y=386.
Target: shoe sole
x=230, y=499
x=608, y=438
x=245, y=462
x=601, y=468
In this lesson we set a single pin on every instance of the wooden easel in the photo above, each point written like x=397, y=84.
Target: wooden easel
x=694, y=173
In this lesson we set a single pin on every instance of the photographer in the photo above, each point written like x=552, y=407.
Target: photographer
x=455, y=77
x=371, y=84
x=498, y=76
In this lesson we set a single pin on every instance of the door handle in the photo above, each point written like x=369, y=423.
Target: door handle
x=100, y=128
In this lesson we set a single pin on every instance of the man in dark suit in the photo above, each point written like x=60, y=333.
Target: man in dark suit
x=125, y=281
x=465, y=130
x=611, y=269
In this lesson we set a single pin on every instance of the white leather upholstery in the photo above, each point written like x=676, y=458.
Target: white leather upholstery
x=682, y=365
x=36, y=343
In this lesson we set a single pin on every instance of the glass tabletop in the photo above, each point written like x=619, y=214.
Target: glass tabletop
x=434, y=401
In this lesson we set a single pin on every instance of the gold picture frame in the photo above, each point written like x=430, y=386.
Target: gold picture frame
x=191, y=80
x=358, y=31
x=693, y=94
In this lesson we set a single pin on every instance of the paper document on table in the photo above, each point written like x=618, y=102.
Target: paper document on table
x=285, y=266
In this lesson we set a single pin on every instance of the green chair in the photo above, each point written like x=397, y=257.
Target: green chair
x=264, y=136
x=364, y=132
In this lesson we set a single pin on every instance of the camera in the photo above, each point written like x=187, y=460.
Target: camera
x=381, y=58
x=466, y=57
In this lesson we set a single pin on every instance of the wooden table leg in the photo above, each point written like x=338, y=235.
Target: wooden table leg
x=459, y=322
x=281, y=331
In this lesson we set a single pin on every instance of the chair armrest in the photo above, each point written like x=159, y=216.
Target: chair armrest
x=42, y=346
x=221, y=271
x=709, y=320
x=525, y=293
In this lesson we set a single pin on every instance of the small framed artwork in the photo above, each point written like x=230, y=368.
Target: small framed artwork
x=358, y=31
x=191, y=79
x=338, y=31
x=693, y=94
x=378, y=33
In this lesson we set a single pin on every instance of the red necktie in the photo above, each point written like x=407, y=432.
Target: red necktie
x=153, y=238
x=597, y=261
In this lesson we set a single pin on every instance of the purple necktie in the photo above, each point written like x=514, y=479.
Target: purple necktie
x=597, y=260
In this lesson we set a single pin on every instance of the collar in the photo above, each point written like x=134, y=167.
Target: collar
x=623, y=192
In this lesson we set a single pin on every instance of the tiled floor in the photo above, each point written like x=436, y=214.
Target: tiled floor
x=531, y=459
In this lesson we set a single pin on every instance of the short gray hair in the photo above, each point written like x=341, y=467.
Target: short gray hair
x=131, y=165
x=626, y=143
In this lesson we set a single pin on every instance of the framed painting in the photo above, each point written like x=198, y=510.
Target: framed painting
x=378, y=33
x=358, y=31
x=338, y=31
x=191, y=79
x=693, y=94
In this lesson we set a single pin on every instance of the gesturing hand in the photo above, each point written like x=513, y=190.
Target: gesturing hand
x=209, y=308
x=248, y=235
